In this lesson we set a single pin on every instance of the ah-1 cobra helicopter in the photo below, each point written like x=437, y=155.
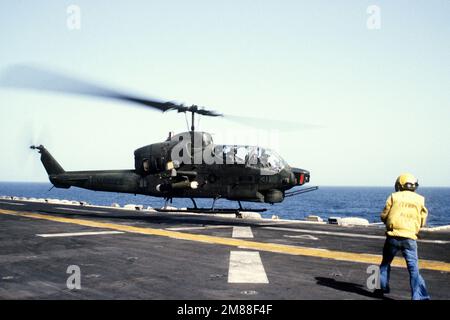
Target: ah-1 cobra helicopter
x=186, y=165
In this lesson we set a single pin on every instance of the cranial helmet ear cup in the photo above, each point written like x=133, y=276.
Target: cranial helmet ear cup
x=398, y=186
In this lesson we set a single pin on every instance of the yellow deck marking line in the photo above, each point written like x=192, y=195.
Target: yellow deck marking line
x=261, y=246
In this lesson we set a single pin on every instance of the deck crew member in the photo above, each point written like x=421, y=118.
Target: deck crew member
x=404, y=214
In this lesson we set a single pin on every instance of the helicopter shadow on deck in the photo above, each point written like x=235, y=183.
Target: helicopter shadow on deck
x=155, y=218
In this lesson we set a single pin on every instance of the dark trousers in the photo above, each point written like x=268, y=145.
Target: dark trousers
x=408, y=248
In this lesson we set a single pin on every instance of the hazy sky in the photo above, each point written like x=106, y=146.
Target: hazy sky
x=381, y=95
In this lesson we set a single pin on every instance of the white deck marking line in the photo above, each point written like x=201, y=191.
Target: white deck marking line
x=242, y=232
x=246, y=267
x=433, y=241
x=77, y=234
x=344, y=234
x=198, y=228
x=303, y=236
x=80, y=210
x=12, y=203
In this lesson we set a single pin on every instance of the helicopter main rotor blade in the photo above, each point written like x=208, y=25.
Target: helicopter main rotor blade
x=27, y=77
x=283, y=125
x=35, y=78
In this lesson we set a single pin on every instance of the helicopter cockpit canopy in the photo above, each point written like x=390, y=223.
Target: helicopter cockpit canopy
x=253, y=156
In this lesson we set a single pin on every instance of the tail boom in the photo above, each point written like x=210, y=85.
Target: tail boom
x=126, y=181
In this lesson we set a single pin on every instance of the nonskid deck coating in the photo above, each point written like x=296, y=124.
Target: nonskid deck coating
x=194, y=260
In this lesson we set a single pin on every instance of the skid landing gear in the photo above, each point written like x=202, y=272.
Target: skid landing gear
x=166, y=201
x=213, y=210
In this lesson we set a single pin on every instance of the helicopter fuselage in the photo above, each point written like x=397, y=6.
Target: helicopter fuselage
x=181, y=168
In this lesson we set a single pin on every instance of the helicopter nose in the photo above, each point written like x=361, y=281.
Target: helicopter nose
x=299, y=176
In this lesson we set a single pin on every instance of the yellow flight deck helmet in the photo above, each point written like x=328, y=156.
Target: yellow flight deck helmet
x=406, y=181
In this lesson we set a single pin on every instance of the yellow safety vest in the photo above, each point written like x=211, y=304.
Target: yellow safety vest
x=404, y=214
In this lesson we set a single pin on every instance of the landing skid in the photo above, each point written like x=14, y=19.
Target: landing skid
x=213, y=211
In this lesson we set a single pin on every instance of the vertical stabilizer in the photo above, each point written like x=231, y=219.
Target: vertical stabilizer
x=50, y=164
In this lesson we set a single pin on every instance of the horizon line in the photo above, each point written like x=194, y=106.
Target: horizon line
x=329, y=185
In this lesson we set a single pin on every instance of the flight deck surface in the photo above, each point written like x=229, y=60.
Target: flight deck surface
x=123, y=254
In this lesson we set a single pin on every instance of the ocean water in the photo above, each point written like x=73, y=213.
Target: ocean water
x=364, y=202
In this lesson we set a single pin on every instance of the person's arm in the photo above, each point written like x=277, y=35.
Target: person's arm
x=386, y=210
x=423, y=216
